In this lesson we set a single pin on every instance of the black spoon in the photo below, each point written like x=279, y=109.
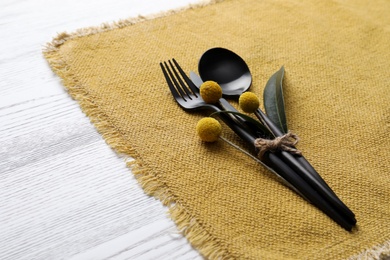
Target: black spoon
x=227, y=68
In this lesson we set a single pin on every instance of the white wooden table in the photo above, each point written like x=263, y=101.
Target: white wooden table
x=64, y=194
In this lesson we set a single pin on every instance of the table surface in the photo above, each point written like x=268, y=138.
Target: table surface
x=64, y=194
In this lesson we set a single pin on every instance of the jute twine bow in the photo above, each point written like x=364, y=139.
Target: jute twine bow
x=286, y=142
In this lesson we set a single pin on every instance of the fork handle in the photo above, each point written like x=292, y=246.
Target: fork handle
x=301, y=166
x=295, y=180
x=307, y=172
x=247, y=137
x=273, y=161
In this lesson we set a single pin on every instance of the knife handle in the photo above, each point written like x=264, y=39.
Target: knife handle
x=307, y=172
x=290, y=176
x=314, y=197
x=301, y=166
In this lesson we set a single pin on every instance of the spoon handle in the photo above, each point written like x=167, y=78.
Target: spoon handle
x=289, y=176
x=308, y=191
x=295, y=162
x=307, y=171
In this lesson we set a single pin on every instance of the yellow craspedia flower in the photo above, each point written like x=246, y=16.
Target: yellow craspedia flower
x=210, y=91
x=249, y=102
x=209, y=129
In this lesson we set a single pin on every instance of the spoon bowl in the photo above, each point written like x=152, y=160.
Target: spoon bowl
x=227, y=69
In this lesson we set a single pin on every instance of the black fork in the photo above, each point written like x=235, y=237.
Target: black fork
x=183, y=89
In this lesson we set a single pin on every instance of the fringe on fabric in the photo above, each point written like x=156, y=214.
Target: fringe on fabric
x=186, y=224
x=64, y=36
x=381, y=252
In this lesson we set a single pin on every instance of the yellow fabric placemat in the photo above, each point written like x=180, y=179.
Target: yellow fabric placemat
x=337, y=59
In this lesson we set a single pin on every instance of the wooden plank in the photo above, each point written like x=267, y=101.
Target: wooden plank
x=64, y=194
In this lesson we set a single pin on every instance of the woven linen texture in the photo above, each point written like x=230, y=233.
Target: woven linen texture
x=336, y=56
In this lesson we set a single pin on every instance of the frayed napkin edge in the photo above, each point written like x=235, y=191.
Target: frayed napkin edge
x=190, y=227
x=377, y=252
x=61, y=38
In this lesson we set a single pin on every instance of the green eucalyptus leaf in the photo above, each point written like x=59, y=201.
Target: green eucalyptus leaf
x=274, y=101
x=259, y=126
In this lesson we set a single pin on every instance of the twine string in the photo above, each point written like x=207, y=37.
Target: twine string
x=286, y=143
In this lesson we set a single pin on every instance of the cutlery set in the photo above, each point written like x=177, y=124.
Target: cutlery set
x=294, y=170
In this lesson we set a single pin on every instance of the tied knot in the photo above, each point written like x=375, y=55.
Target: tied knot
x=286, y=142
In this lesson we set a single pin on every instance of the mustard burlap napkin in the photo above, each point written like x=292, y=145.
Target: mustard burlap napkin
x=337, y=90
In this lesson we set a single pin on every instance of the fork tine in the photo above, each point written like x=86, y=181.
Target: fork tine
x=179, y=85
x=189, y=82
x=176, y=84
x=165, y=68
